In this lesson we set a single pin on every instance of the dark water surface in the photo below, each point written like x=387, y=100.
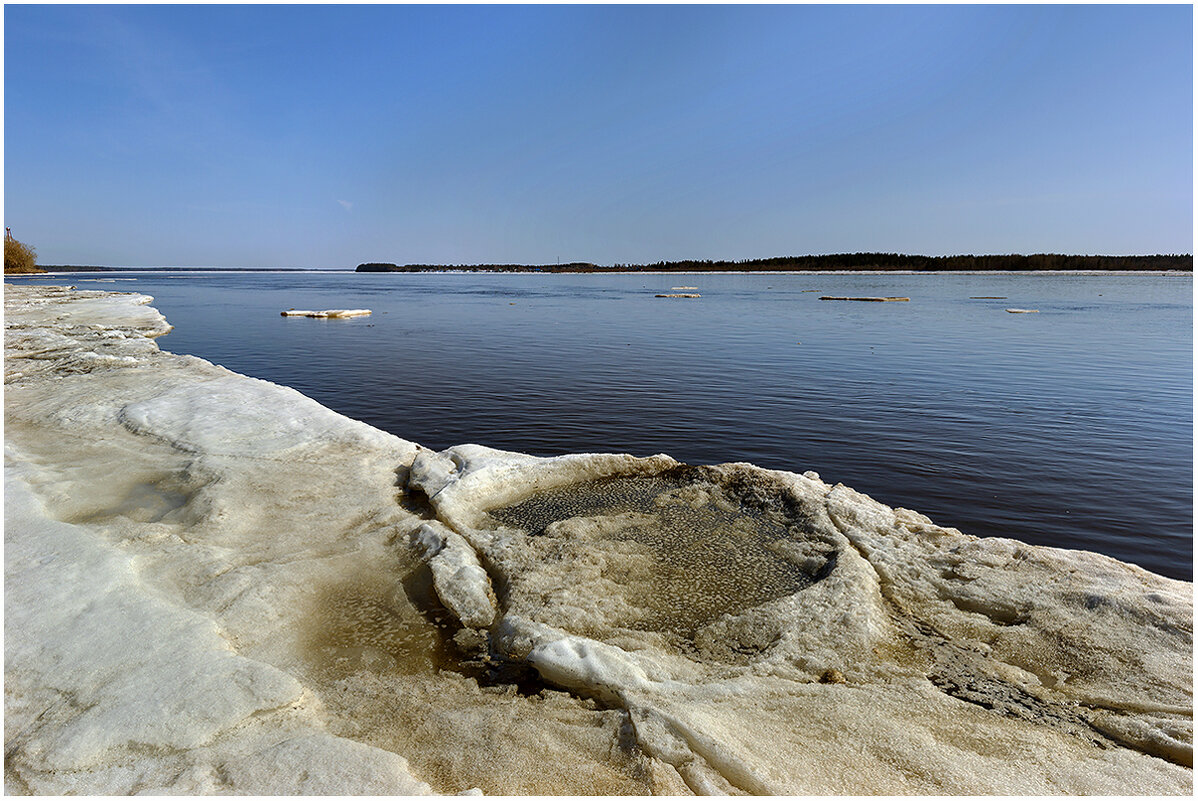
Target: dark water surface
x=1072, y=427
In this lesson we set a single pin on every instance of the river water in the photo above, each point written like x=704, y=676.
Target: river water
x=1072, y=427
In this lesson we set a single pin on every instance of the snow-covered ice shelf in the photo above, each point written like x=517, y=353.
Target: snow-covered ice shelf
x=213, y=584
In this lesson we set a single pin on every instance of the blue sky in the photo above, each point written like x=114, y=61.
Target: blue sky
x=324, y=136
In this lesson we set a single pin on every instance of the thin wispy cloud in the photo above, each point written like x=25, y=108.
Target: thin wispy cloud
x=347, y=204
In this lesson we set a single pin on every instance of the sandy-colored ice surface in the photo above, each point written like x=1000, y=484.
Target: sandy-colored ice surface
x=213, y=584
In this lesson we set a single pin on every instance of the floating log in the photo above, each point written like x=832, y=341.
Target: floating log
x=875, y=300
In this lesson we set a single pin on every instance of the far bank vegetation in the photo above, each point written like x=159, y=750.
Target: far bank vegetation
x=836, y=261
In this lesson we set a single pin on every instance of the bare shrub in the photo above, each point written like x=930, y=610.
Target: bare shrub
x=19, y=257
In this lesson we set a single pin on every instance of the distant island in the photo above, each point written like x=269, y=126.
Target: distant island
x=837, y=261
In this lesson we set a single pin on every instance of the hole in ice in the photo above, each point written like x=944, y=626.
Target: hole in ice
x=680, y=549
x=414, y=500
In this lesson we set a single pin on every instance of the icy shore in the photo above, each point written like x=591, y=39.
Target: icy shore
x=213, y=584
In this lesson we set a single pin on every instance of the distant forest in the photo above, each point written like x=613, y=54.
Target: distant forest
x=838, y=261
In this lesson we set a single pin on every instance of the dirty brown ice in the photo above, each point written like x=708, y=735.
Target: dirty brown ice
x=215, y=585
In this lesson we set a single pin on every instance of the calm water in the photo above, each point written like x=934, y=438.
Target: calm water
x=1072, y=427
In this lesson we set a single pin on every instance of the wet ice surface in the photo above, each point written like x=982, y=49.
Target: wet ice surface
x=698, y=550
x=370, y=623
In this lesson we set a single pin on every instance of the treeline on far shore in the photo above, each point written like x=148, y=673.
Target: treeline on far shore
x=838, y=261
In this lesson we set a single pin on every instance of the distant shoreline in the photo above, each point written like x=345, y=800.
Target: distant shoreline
x=459, y=271
x=836, y=262
x=832, y=263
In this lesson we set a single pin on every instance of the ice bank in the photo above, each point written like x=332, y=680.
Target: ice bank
x=215, y=585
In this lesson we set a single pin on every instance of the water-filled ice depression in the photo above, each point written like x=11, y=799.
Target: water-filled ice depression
x=676, y=550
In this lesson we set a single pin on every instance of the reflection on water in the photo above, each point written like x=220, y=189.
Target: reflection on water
x=1071, y=427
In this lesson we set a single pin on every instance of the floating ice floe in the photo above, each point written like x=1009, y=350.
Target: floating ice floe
x=329, y=313
x=263, y=596
x=874, y=299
